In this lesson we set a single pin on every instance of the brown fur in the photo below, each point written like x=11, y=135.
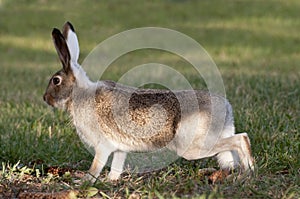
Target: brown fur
x=139, y=103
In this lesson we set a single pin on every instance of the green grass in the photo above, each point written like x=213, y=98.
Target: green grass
x=255, y=45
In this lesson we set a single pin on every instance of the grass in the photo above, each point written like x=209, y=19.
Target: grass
x=255, y=45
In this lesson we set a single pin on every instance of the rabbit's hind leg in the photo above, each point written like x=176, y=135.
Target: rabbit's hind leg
x=232, y=149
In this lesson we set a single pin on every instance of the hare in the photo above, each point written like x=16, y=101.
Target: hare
x=115, y=118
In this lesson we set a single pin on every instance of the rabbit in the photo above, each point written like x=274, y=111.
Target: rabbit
x=115, y=118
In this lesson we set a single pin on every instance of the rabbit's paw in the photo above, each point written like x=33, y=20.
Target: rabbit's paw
x=114, y=176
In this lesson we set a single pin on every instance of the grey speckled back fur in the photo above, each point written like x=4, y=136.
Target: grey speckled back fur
x=114, y=118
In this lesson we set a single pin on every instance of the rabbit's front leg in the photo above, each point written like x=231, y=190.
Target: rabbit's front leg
x=100, y=159
x=117, y=165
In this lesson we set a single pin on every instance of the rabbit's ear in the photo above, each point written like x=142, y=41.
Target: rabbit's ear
x=72, y=41
x=62, y=49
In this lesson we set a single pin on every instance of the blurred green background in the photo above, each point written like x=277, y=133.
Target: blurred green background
x=255, y=44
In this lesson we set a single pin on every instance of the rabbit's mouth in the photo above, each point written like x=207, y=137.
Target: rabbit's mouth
x=63, y=104
x=49, y=99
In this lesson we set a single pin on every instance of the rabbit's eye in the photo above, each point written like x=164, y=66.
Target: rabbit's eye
x=56, y=80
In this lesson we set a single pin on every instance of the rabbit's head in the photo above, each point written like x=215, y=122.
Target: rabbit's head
x=59, y=91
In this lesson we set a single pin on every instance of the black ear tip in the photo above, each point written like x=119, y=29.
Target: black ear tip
x=55, y=31
x=70, y=25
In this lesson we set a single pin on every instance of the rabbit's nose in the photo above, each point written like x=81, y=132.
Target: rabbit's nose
x=44, y=97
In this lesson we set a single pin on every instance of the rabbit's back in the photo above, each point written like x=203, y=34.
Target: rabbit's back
x=143, y=119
